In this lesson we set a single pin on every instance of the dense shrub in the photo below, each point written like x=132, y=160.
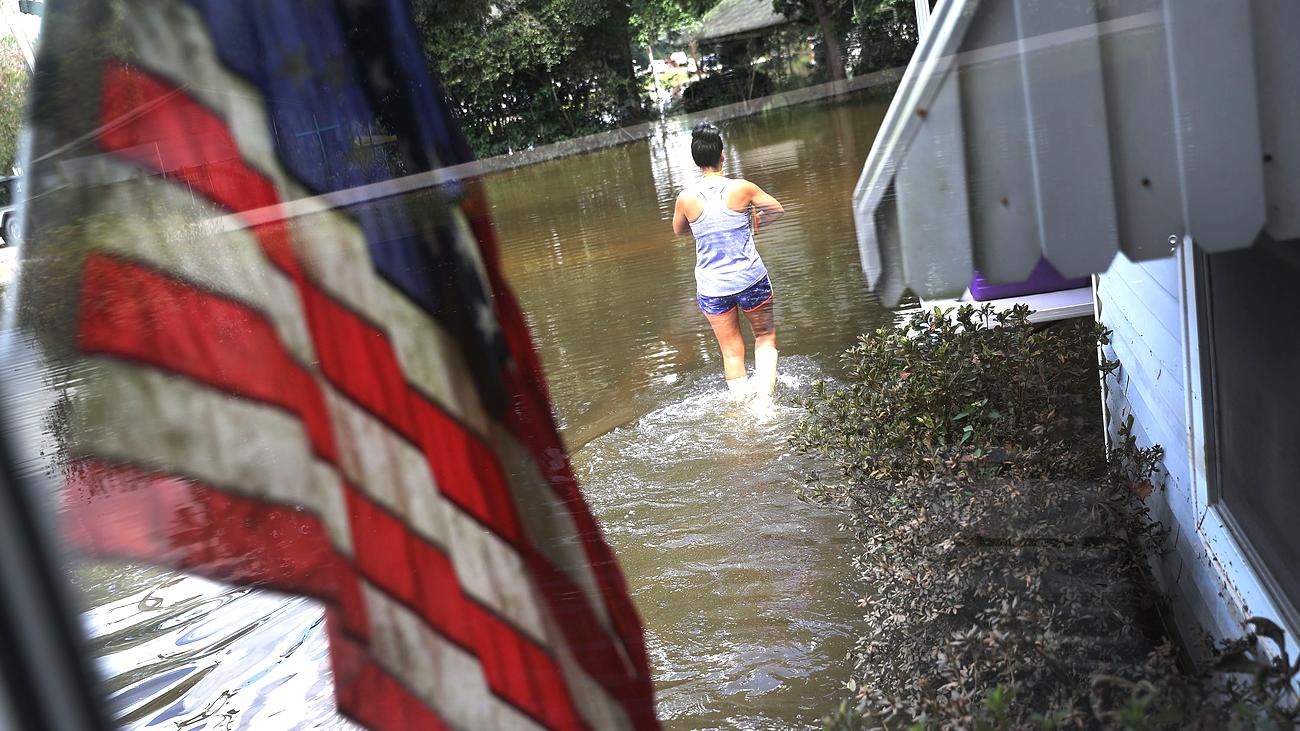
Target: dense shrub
x=974, y=392
x=1003, y=557
x=1009, y=592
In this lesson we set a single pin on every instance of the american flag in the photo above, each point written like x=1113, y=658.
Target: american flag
x=295, y=364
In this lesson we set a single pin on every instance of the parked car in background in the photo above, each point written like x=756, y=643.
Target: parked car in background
x=9, y=210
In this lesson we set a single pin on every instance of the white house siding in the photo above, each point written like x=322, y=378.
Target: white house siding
x=1140, y=304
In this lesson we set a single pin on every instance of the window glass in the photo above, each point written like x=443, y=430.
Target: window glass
x=1249, y=296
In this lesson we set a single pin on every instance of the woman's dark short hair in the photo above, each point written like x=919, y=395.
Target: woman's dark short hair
x=706, y=145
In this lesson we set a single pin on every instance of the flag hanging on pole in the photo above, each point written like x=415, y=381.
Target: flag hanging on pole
x=294, y=362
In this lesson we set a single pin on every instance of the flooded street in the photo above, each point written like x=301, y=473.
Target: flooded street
x=610, y=292
x=744, y=591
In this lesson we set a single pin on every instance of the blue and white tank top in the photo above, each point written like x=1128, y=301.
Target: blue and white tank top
x=726, y=261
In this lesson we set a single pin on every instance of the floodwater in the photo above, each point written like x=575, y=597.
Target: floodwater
x=744, y=591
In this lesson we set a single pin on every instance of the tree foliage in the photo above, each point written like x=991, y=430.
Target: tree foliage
x=521, y=73
x=865, y=35
x=656, y=19
x=532, y=71
x=883, y=35
x=847, y=12
x=13, y=101
x=831, y=18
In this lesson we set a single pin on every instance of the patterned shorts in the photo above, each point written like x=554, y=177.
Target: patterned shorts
x=753, y=297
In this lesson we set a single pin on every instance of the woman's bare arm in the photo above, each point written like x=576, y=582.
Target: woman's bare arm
x=681, y=224
x=766, y=208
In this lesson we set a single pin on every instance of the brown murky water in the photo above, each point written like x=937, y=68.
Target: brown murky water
x=609, y=290
x=743, y=590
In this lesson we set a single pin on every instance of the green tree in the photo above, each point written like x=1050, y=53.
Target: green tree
x=13, y=100
x=884, y=31
x=832, y=19
x=884, y=34
x=529, y=72
x=655, y=19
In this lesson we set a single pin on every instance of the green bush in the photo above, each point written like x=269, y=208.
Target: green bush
x=972, y=392
x=1002, y=556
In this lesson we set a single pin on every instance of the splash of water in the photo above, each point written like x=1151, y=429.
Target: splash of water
x=741, y=594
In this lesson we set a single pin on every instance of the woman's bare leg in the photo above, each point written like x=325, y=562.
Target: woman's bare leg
x=726, y=328
x=762, y=320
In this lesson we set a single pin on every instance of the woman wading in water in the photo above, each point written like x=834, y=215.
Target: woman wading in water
x=724, y=214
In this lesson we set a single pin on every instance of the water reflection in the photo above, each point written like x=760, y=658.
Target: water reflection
x=181, y=652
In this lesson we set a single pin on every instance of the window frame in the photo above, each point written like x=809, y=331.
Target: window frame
x=1246, y=583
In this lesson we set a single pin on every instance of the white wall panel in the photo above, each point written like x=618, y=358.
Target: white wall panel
x=933, y=219
x=1276, y=28
x=1216, y=119
x=997, y=147
x=1064, y=97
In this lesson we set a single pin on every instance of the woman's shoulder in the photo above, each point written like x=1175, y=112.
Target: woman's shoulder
x=697, y=189
x=736, y=184
x=738, y=191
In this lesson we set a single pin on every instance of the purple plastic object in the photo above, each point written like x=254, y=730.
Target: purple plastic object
x=1044, y=278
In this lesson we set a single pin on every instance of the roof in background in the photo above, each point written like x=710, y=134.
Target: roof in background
x=738, y=17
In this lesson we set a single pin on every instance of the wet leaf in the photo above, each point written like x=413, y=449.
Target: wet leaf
x=1265, y=627
x=1142, y=489
x=1236, y=662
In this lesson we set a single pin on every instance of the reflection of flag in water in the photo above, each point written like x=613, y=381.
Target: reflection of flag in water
x=291, y=373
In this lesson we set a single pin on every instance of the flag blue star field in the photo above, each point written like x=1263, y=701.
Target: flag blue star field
x=297, y=365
